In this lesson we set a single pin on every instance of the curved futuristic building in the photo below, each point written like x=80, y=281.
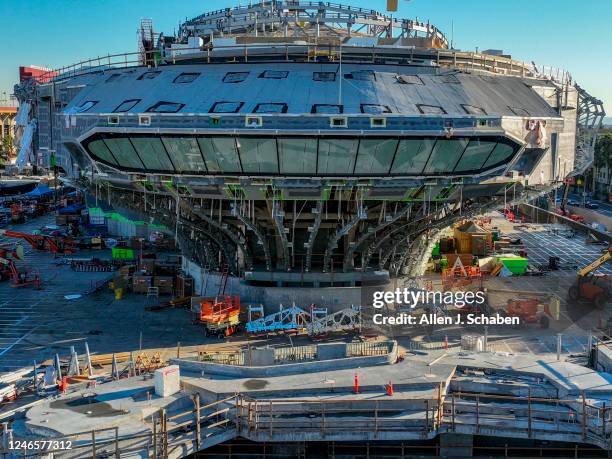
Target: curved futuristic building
x=305, y=143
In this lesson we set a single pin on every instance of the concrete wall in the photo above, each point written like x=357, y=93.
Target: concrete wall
x=558, y=164
x=591, y=216
x=333, y=298
x=453, y=445
x=544, y=216
x=236, y=371
x=259, y=357
x=604, y=358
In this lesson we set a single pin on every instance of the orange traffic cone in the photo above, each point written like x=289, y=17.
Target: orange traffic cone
x=446, y=343
x=390, y=389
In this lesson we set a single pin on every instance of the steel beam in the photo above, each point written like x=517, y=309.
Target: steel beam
x=260, y=236
x=313, y=235
x=348, y=257
x=360, y=214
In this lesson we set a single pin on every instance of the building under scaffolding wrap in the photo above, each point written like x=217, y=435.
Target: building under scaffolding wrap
x=308, y=144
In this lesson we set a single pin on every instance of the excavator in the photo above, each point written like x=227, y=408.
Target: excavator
x=592, y=287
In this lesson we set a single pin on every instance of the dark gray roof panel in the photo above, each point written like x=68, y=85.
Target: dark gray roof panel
x=451, y=91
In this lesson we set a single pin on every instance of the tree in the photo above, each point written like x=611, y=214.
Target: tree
x=6, y=151
x=603, y=156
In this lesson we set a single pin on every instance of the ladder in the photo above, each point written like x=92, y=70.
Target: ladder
x=223, y=283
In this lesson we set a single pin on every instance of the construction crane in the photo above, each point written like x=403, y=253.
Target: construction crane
x=44, y=243
x=591, y=287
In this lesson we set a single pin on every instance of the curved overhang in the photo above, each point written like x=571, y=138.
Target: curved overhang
x=347, y=154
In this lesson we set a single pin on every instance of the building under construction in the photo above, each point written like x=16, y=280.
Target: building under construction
x=305, y=144
x=300, y=153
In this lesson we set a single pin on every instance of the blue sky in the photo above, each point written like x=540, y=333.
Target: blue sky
x=574, y=35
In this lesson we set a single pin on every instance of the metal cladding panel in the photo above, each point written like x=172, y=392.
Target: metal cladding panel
x=451, y=91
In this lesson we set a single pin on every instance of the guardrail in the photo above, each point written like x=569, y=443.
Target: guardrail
x=166, y=434
x=573, y=420
x=462, y=60
x=296, y=354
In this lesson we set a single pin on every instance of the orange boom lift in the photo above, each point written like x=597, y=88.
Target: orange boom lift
x=44, y=243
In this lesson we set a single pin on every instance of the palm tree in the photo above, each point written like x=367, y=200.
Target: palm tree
x=6, y=149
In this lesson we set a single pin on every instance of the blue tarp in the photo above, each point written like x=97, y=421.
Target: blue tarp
x=40, y=191
x=71, y=210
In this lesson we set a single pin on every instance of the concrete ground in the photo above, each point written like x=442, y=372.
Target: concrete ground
x=36, y=324
x=128, y=403
x=577, y=320
x=409, y=378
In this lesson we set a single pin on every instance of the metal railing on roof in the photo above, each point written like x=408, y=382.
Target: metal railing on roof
x=461, y=60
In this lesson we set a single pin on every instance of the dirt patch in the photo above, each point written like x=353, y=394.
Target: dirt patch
x=88, y=406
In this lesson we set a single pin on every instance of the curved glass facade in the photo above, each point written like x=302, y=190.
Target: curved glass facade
x=301, y=156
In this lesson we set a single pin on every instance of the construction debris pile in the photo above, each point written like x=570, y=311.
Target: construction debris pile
x=478, y=249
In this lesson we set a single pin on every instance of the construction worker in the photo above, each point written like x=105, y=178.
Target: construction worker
x=74, y=228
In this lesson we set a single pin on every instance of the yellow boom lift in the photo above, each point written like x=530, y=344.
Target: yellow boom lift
x=592, y=287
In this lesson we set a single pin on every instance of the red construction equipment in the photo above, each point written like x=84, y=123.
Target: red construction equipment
x=460, y=275
x=530, y=311
x=571, y=216
x=42, y=242
x=590, y=286
x=10, y=270
x=220, y=315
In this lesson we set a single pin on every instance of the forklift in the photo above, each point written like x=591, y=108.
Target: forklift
x=592, y=287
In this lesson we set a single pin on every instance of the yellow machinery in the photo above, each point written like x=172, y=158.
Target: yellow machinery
x=591, y=287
